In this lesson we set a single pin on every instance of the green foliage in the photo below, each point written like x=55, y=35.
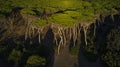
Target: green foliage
x=64, y=13
x=2, y=49
x=5, y=6
x=62, y=19
x=28, y=11
x=2, y=15
x=73, y=10
x=40, y=22
x=90, y=52
x=91, y=48
x=74, y=50
x=35, y=61
x=113, y=46
x=15, y=55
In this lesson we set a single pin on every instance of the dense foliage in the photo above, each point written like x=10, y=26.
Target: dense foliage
x=111, y=56
x=35, y=61
x=19, y=54
x=64, y=12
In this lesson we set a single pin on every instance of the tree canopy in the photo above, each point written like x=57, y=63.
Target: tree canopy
x=69, y=11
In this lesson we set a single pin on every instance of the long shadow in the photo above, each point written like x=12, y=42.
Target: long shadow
x=48, y=47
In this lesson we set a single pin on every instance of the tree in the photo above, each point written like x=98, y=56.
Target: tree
x=111, y=56
x=15, y=56
x=35, y=61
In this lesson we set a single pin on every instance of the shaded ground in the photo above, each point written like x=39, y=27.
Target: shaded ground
x=84, y=62
x=64, y=59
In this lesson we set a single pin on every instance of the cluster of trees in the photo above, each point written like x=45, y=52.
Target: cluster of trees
x=106, y=42
x=64, y=12
x=111, y=55
x=69, y=11
x=18, y=54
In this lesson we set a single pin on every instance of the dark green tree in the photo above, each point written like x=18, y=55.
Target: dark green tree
x=111, y=56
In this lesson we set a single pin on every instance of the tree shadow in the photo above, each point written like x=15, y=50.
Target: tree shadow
x=48, y=46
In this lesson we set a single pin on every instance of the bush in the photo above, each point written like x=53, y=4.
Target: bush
x=35, y=61
x=112, y=50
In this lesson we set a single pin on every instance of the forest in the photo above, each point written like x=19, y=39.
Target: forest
x=44, y=33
